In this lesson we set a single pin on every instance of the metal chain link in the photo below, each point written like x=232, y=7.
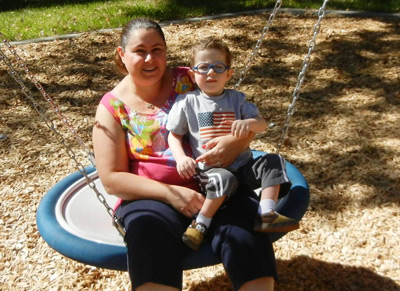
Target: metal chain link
x=116, y=221
x=48, y=98
x=257, y=46
x=300, y=78
x=70, y=152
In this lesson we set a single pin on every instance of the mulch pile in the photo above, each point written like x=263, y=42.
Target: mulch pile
x=344, y=137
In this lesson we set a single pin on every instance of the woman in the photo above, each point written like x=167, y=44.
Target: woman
x=156, y=204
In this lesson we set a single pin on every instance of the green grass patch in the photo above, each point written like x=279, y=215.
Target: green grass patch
x=34, y=19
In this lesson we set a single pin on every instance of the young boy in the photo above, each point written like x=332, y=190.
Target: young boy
x=211, y=111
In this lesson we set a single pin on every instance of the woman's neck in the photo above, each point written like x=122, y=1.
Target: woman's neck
x=145, y=98
x=148, y=94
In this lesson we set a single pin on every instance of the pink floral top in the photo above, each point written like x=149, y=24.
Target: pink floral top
x=147, y=136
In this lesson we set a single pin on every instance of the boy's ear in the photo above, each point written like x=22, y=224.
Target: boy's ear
x=230, y=74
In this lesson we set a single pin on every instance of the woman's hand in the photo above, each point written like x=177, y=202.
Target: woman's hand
x=185, y=200
x=224, y=150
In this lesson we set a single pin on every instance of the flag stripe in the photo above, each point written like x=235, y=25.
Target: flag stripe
x=212, y=124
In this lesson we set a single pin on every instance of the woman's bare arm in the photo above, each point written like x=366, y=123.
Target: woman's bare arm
x=225, y=149
x=113, y=167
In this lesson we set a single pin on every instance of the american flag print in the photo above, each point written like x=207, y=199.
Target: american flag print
x=212, y=124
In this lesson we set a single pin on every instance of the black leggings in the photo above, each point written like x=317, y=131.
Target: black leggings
x=155, y=249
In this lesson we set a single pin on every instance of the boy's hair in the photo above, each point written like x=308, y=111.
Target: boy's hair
x=211, y=43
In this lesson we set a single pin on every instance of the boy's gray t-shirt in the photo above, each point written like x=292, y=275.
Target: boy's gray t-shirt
x=201, y=118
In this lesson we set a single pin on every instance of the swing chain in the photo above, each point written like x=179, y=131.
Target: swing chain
x=70, y=152
x=257, y=46
x=301, y=76
x=116, y=221
x=46, y=96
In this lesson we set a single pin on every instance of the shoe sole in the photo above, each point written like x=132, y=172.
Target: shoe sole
x=286, y=228
x=190, y=244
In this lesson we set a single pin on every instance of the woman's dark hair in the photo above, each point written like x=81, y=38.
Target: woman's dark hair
x=131, y=26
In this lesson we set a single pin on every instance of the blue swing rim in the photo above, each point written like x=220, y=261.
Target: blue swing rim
x=113, y=257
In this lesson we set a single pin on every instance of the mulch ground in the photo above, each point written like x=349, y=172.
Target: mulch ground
x=344, y=137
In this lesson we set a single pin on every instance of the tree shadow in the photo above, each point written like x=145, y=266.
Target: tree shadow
x=355, y=60
x=304, y=273
x=86, y=71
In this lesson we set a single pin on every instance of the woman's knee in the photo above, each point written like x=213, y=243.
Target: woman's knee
x=149, y=286
x=148, y=216
x=155, y=248
x=245, y=255
x=260, y=284
x=232, y=237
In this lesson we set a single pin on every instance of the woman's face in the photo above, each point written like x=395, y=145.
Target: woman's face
x=145, y=56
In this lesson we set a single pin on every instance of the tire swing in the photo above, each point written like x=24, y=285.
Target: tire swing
x=73, y=223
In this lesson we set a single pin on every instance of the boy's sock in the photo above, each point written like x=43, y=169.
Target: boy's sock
x=266, y=206
x=204, y=220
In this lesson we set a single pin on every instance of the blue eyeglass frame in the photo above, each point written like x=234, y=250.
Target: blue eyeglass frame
x=196, y=68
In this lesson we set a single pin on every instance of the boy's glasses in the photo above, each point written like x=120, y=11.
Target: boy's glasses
x=204, y=68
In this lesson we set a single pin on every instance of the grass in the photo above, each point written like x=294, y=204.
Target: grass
x=22, y=19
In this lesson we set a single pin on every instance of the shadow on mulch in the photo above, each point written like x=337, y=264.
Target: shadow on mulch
x=304, y=273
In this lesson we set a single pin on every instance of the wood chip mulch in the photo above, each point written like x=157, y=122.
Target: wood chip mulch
x=344, y=137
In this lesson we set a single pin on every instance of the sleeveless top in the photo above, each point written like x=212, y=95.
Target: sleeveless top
x=146, y=136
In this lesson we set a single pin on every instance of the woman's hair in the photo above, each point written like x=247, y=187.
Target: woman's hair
x=129, y=28
x=211, y=43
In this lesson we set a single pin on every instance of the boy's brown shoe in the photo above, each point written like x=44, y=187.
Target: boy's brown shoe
x=275, y=222
x=194, y=235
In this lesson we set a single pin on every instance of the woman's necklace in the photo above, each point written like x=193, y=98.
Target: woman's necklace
x=150, y=106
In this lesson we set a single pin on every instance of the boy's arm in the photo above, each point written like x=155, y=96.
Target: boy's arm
x=175, y=144
x=257, y=124
x=241, y=128
x=185, y=165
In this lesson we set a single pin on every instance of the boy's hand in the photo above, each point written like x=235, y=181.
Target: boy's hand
x=186, y=167
x=240, y=128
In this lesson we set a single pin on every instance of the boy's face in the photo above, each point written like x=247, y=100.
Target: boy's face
x=211, y=83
